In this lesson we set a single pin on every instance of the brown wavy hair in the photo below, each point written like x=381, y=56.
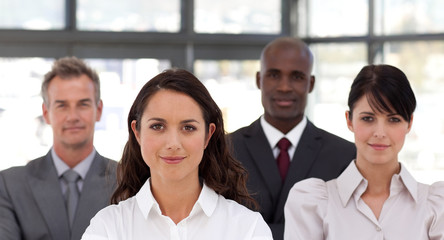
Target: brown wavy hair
x=218, y=168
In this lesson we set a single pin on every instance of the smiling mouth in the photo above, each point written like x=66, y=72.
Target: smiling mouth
x=172, y=160
x=379, y=146
x=284, y=102
x=73, y=128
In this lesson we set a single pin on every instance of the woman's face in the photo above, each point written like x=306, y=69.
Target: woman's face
x=172, y=136
x=379, y=137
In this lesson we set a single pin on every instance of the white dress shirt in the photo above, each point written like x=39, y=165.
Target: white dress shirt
x=318, y=210
x=212, y=217
x=274, y=135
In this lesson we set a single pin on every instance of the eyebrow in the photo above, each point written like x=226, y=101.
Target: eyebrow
x=372, y=113
x=183, y=121
x=367, y=113
x=81, y=100
x=292, y=72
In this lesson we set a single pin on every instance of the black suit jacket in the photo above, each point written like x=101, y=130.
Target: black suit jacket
x=319, y=154
x=32, y=204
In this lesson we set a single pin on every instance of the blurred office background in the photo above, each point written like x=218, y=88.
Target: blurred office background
x=130, y=41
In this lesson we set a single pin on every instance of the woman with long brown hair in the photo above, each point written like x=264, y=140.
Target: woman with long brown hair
x=176, y=178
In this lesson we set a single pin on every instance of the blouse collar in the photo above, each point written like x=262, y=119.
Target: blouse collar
x=206, y=202
x=351, y=182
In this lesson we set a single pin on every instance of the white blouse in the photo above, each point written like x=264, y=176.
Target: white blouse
x=318, y=210
x=212, y=217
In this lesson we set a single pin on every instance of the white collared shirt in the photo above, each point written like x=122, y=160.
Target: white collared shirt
x=212, y=217
x=274, y=135
x=334, y=210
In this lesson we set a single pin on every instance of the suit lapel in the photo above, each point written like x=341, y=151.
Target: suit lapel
x=94, y=196
x=305, y=154
x=303, y=159
x=262, y=155
x=48, y=195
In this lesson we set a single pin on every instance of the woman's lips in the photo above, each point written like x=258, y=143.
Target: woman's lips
x=379, y=147
x=172, y=160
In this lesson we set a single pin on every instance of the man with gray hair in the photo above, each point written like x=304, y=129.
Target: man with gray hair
x=56, y=195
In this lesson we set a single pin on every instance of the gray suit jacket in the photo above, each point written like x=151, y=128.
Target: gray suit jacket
x=32, y=204
x=319, y=154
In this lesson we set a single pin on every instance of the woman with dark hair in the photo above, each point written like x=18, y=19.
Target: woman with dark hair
x=176, y=178
x=375, y=197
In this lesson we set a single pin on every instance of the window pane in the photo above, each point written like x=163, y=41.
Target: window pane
x=24, y=135
x=129, y=15
x=232, y=85
x=31, y=14
x=422, y=63
x=237, y=16
x=409, y=16
x=335, y=66
x=320, y=18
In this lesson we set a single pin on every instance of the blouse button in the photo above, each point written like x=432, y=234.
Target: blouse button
x=378, y=229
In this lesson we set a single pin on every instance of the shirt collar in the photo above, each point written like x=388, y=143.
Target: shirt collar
x=404, y=178
x=274, y=135
x=207, y=201
x=146, y=201
x=81, y=168
x=348, y=182
x=351, y=182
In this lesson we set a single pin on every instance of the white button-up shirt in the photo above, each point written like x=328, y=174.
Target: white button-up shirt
x=334, y=210
x=212, y=217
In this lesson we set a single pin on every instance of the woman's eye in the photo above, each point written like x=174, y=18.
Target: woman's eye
x=395, y=119
x=367, y=119
x=157, y=126
x=189, y=128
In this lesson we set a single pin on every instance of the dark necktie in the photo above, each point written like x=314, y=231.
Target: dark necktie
x=72, y=193
x=283, y=159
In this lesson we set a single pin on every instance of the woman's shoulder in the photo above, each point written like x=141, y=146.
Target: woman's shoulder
x=234, y=208
x=109, y=220
x=242, y=218
x=120, y=209
x=308, y=193
x=312, y=186
x=435, y=200
x=436, y=193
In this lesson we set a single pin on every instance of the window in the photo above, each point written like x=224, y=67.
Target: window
x=129, y=15
x=408, y=17
x=319, y=18
x=32, y=15
x=238, y=16
x=238, y=78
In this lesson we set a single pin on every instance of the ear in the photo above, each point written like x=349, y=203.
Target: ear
x=258, y=80
x=135, y=131
x=211, y=130
x=312, y=83
x=410, y=124
x=99, y=110
x=45, y=113
x=349, y=121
